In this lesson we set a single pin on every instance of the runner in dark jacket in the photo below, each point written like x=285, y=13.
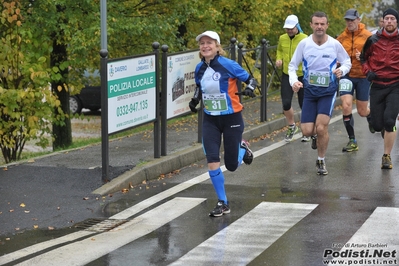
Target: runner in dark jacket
x=380, y=63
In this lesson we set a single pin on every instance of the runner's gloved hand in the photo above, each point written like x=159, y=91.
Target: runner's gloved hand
x=193, y=104
x=249, y=89
x=371, y=76
x=195, y=100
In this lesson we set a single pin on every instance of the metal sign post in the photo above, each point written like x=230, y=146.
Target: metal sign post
x=104, y=93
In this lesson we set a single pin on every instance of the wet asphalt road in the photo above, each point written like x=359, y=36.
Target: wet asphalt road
x=337, y=206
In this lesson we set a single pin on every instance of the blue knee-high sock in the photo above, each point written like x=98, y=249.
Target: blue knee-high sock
x=241, y=154
x=217, y=179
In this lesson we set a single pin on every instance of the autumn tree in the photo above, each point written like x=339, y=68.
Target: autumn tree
x=26, y=103
x=58, y=23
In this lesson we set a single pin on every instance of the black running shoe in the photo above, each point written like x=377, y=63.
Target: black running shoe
x=248, y=156
x=372, y=130
x=220, y=209
x=314, y=142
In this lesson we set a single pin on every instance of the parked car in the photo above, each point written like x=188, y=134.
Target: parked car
x=89, y=97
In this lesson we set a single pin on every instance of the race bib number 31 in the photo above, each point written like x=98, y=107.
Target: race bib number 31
x=321, y=79
x=215, y=102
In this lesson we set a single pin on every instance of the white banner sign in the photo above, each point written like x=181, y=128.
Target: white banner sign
x=131, y=92
x=181, y=83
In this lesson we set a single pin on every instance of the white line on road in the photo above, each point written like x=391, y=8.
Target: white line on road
x=41, y=246
x=129, y=212
x=90, y=249
x=249, y=236
x=283, y=142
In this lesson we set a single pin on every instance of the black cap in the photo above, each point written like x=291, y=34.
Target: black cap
x=391, y=11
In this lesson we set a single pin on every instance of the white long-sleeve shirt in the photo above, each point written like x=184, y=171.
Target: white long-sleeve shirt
x=318, y=63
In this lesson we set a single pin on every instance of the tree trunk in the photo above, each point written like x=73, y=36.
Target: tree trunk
x=62, y=133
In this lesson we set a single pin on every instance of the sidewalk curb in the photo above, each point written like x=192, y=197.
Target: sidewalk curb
x=153, y=169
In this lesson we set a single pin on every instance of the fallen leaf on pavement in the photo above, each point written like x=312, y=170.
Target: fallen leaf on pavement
x=22, y=205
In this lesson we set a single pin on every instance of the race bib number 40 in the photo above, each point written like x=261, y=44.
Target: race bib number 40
x=215, y=102
x=321, y=79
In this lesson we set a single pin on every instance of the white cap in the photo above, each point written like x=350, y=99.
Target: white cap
x=290, y=22
x=210, y=34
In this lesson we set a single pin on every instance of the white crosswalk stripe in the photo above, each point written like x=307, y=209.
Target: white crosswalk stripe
x=381, y=227
x=375, y=243
x=249, y=236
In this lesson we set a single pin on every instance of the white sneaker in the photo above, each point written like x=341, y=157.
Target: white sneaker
x=305, y=139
